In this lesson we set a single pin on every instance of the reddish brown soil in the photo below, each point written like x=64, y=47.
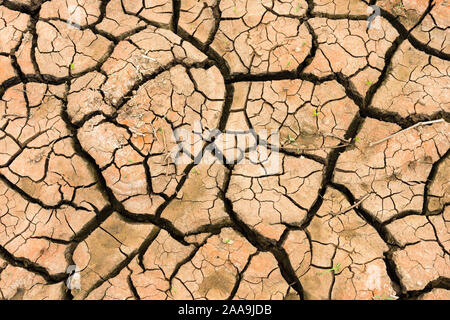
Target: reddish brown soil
x=87, y=112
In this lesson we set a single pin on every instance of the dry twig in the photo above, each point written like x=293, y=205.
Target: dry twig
x=355, y=205
x=419, y=124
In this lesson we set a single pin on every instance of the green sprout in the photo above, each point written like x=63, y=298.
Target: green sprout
x=357, y=139
x=335, y=269
x=72, y=66
x=383, y=297
x=288, y=64
x=368, y=83
x=304, y=43
x=235, y=11
x=228, y=241
x=289, y=139
x=398, y=8
x=195, y=170
x=298, y=7
x=316, y=112
x=130, y=161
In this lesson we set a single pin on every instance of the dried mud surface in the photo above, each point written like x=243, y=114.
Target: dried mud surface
x=90, y=96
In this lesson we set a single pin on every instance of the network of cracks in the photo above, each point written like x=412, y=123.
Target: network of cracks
x=355, y=207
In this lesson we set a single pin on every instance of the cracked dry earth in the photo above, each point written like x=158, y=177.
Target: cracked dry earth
x=92, y=90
